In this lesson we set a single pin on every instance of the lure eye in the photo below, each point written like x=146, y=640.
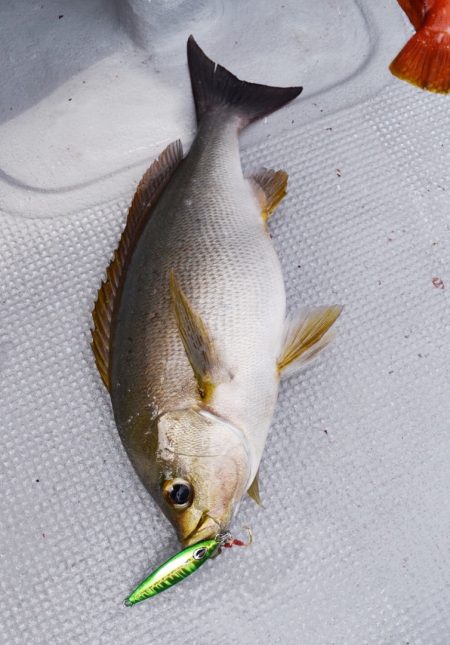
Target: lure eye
x=199, y=554
x=178, y=493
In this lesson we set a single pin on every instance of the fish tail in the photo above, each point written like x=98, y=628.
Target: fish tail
x=215, y=88
x=425, y=61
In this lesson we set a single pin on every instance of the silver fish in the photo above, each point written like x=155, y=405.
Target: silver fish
x=191, y=335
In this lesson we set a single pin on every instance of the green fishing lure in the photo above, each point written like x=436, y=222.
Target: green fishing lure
x=180, y=566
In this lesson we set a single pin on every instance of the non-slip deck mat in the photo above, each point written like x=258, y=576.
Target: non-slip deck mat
x=352, y=545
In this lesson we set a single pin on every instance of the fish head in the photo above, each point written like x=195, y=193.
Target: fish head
x=203, y=466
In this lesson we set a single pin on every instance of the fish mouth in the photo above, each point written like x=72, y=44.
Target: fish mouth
x=207, y=527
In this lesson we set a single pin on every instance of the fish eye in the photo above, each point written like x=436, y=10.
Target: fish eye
x=199, y=554
x=178, y=492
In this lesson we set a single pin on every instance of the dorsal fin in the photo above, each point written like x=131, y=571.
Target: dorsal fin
x=270, y=188
x=146, y=196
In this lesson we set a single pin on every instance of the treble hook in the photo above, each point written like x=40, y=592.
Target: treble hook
x=235, y=542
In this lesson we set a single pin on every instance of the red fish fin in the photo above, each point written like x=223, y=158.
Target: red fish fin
x=146, y=196
x=425, y=61
x=215, y=88
x=415, y=10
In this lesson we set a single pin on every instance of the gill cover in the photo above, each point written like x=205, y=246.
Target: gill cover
x=213, y=457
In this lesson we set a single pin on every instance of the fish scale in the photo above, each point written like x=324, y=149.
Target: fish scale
x=191, y=336
x=231, y=276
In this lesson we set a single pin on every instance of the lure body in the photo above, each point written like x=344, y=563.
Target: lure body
x=173, y=571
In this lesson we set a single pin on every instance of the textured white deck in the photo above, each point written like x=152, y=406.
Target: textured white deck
x=352, y=546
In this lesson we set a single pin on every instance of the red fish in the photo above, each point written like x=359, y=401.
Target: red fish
x=425, y=59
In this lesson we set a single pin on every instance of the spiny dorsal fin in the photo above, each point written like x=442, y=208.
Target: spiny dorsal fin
x=270, y=187
x=197, y=342
x=147, y=194
x=306, y=335
x=253, y=491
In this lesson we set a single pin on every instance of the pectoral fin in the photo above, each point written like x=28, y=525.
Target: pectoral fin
x=306, y=335
x=270, y=188
x=253, y=491
x=196, y=340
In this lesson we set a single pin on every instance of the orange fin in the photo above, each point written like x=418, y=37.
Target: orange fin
x=270, y=187
x=416, y=10
x=305, y=336
x=425, y=61
x=146, y=196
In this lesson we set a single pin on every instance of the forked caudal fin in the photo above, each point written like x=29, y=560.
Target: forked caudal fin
x=425, y=59
x=215, y=87
x=146, y=197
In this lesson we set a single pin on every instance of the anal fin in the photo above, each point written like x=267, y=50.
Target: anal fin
x=270, y=188
x=306, y=335
x=145, y=198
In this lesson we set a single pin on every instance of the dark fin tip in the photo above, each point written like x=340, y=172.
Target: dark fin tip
x=215, y=87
